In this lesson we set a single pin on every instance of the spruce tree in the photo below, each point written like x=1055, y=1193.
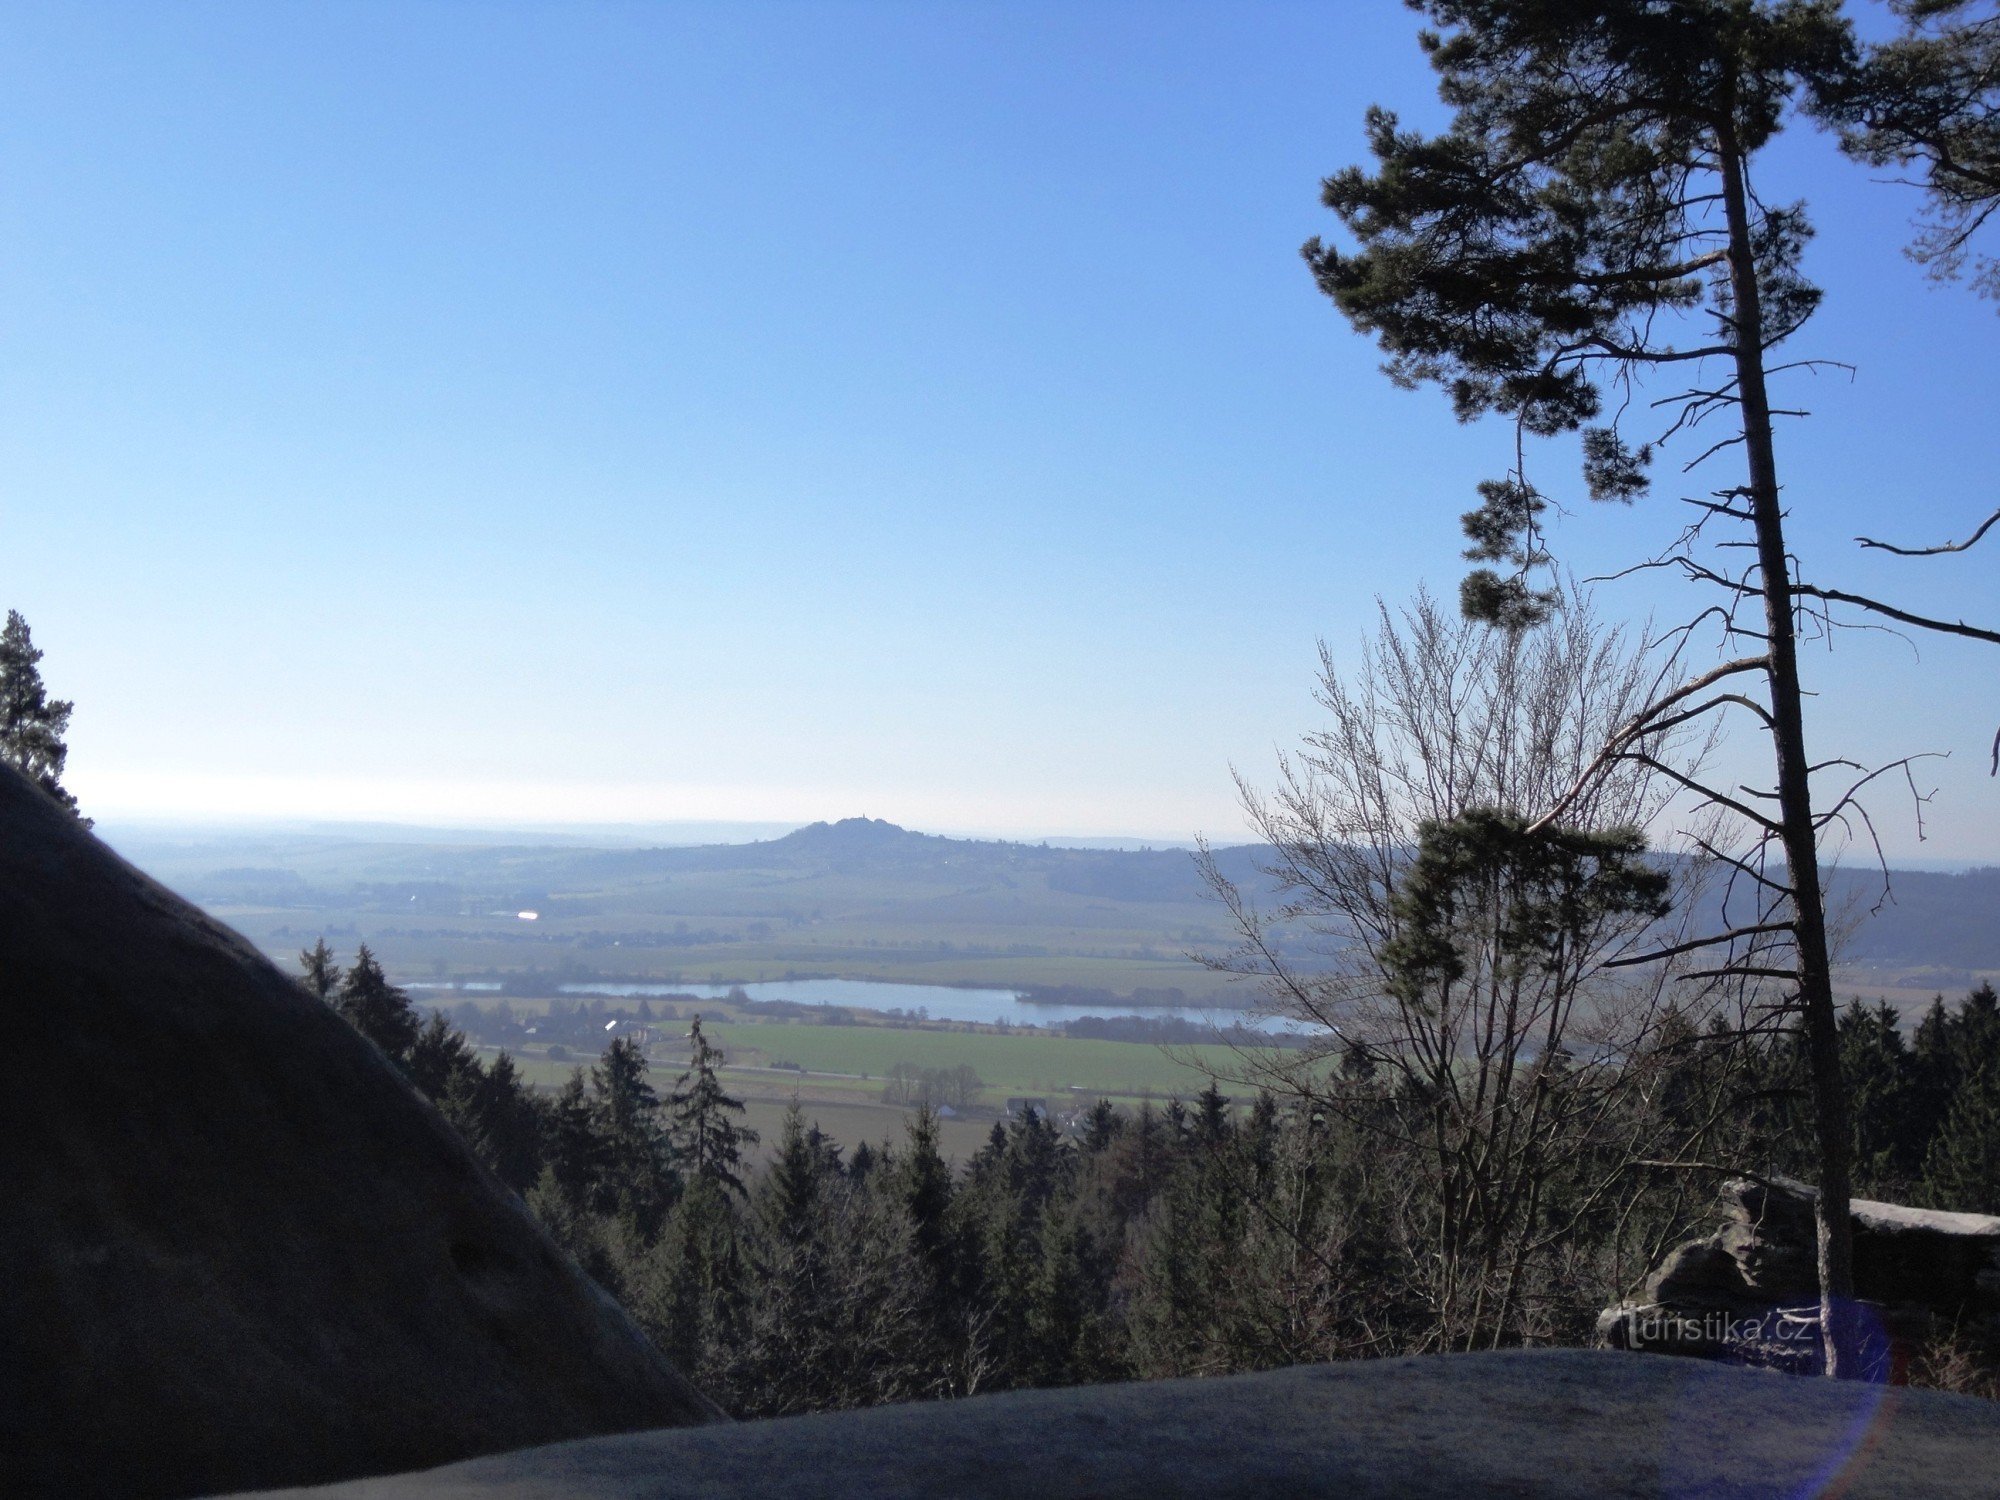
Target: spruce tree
x=1933, y=1073
x=320, y=974
x=1962, y=1165
x=689, y=1289
x=32, y=724
x=1876, y=1064
x=575, y=1156
x=376, y=1008
x=1101, y=1126
x=707, y=1141
x=637, y=1172
x=795, y=1315
x=944, y=1258
x=507, y=1124
x=1962, y=1168
x=440, y=1057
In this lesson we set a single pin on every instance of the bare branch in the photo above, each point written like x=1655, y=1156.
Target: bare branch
x=1640, y=724
x=1748, y=814
x=1693, y=943
x=1943, y=627
x=1971, y=541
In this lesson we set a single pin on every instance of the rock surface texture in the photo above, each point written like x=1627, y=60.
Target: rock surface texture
x=1557, y=1424
x=1749, y=1293
x=236, y=1247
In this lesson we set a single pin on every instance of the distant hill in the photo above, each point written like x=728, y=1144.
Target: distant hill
x=1926, y=918
x=854, y=896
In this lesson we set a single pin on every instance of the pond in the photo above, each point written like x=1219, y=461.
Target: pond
x=936, y=1001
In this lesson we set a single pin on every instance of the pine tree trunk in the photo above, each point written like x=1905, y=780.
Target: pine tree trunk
x=1817, y=1015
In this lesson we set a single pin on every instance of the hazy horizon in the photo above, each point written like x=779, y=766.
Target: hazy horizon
x=690, y=832
x=666, y=832
x=629, y=414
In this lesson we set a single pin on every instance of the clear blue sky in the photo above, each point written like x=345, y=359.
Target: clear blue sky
x=753, y=410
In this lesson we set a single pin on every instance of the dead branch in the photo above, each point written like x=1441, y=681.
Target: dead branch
x=1943, y=627
x=1984, y=526
x=1693, y=943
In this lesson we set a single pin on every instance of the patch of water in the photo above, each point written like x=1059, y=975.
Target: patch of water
x=936, y=1002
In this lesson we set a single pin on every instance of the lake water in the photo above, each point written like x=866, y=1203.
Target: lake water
x=939, y=1002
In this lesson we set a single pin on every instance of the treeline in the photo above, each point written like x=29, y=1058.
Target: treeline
x=915, y=1087
x=1145, y=997
x=1176, y=1031
x=1926, y=1109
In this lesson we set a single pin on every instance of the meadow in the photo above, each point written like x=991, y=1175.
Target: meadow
x=843, y=1070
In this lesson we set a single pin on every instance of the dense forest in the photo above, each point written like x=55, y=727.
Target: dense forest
x=1200, y=1237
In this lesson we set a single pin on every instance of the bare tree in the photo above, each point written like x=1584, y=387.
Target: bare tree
x=1461, y=965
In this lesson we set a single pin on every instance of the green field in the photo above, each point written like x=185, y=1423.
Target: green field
x=858, y=1057
x=1007, y=1064
x=842, y=1084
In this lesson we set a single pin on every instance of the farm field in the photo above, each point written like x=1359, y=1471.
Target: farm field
x=845, y=1066
x=1008, y=1064
x=849, y=1114
x=859, y=1057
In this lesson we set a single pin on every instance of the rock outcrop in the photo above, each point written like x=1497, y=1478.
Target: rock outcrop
x=1749, y=1293
x=1554, y=1424
x=236, y=1247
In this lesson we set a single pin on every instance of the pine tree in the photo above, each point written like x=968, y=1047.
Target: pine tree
x=32, y=724
x=321, y=975
x=507, y=1124
x=636, y=1173
x=440, y=1057
x=1596, y=184
x=1962, y=1168
x=1929, y=100
x=376, y=1008
x=707, y=1142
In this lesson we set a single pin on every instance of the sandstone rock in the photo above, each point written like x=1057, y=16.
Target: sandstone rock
x=236, y=1247
x=1749, y=1292
x=1553, y=1424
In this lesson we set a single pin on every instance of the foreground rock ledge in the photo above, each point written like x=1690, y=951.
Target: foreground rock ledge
x=236, y=1247
x=1749, y=1293
x=1557, y=1423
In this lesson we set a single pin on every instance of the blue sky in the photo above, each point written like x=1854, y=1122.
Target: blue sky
x=632, y=412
